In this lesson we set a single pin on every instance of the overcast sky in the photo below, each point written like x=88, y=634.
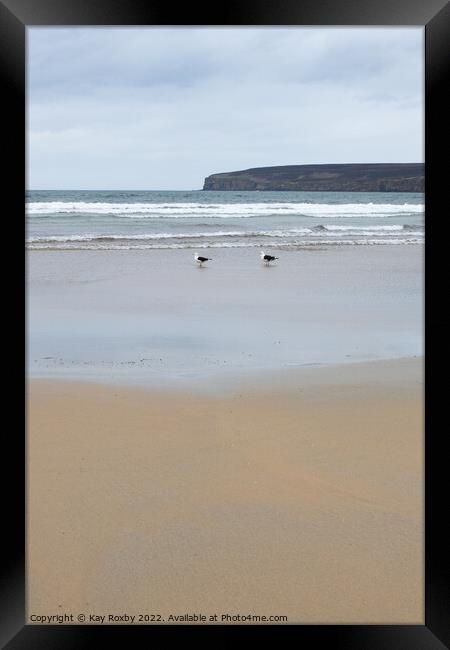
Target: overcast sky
x=161, y=108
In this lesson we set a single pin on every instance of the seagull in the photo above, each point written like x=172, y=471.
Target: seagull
x=267, y=258
x=200, y=259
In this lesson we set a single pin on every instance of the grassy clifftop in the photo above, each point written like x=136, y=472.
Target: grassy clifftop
x=375, y=177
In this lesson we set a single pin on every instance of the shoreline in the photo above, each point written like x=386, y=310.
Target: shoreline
x=311, y=247
x=300, y=496
x=235, y=381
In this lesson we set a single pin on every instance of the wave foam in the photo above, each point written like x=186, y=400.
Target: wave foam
x=226, y=210
x=319, y=231
x=297, y=245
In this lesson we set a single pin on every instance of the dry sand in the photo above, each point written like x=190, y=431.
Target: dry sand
x=303, y=500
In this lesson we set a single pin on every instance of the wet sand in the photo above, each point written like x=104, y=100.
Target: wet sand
x=301, y=498
x=153, y=318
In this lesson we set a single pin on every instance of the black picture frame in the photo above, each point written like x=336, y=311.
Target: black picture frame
x=15, y=17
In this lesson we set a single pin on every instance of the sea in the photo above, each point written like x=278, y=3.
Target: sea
x=95, y=220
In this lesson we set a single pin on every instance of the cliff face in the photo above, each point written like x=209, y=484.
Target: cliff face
x=376, y=177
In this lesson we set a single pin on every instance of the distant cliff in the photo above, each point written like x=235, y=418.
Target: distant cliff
x=376, y=177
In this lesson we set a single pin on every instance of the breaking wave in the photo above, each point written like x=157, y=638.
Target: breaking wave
x=224, y=211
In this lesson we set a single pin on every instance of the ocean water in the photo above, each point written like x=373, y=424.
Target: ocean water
x=92, y=220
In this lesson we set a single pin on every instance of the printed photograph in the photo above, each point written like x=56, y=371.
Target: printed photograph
x=225, y=325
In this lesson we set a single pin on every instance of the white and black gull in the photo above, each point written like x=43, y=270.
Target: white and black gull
x=267, y=258
x=200, y=259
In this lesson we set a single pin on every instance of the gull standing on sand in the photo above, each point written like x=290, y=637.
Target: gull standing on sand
x=198, y=258
x=267, y=258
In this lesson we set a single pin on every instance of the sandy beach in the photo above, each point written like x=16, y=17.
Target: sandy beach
x=303, y=499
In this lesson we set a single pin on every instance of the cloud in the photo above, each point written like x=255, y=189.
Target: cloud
x=161, y=108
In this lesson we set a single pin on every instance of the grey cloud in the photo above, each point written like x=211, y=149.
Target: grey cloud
x=162, y=108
